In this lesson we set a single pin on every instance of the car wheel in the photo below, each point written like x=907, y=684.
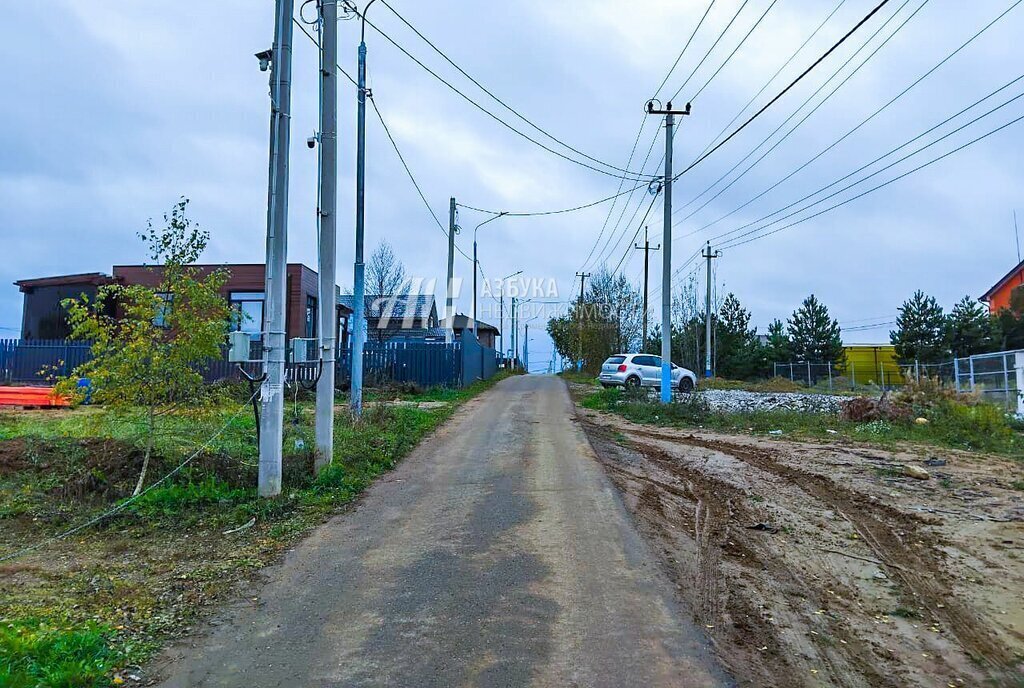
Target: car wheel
x=632, y=382
x=686, y=385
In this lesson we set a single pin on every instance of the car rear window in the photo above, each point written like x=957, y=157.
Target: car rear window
x=615, y=360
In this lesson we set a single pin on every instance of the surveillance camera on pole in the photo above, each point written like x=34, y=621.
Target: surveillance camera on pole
x=265, y=57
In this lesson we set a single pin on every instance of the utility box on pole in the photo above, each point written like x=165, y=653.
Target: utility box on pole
x=238, y=347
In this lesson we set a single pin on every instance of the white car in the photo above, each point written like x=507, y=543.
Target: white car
x=642, y=370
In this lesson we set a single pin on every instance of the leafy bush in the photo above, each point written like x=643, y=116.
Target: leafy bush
x=33, y=653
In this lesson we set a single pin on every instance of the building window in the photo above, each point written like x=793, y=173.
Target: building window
x=248, y=312
x=310, y=317
x=164, y=309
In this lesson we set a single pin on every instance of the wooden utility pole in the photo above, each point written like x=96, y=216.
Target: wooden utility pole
x=646, y=248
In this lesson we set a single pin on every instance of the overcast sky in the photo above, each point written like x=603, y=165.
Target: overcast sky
x=115, y=108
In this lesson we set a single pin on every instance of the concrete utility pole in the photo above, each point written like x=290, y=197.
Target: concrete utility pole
x=646, y=248
x=274, y=342
x=449, y=302
x=328, y=232
x=579, y=319
x=707, y=311
x=526, y=350
x=666, y=240
x=515, y=335
x=359, y=283
x=501, y=313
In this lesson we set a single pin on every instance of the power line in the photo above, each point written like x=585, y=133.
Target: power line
x=785, y=90
x=633, y=176
x=498, y=100
x=734, y=50
x=734, y=243
x=802, y=105
x=685, y=47
x=776, y=74
x=887, y=154
x=710, y=50
x=639, y=132
x=643, y=221
x=538, y=213
x=866, y=119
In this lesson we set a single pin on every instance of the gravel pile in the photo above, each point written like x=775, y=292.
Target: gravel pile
x=739, y=401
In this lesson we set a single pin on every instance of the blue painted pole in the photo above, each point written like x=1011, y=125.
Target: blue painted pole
x=359, y=315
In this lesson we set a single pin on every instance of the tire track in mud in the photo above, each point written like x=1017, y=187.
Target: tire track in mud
x=911, y=556
x=708, y=509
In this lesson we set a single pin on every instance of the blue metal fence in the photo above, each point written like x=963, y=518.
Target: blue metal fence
x=428, y=364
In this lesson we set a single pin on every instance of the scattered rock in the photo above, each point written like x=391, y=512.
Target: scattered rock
x=916, y=472
x=920, y=421
x=742, y=401
x=935, y=462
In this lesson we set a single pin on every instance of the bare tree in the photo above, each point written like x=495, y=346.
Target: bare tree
x=385, y=280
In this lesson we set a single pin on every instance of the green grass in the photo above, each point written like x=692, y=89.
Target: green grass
x=215, y=493
x=953, y=425
x=34, y=653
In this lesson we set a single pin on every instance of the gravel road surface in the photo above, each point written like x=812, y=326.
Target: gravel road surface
x=497, y=554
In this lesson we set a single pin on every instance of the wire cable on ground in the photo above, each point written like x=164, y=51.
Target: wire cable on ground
x=121, y=506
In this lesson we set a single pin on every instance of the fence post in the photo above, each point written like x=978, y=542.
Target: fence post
x=1019, y=369
x=956, y=374
x=1006, y=380
x=830, y=376
x=791, y=372
x=775, y=369
x=917, y=370
x=853, y=376
x=970, y=361
x=808, y=373
x=881, y=374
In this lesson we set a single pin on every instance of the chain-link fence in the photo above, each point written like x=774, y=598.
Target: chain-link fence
x=852, y=376
x=997, y=378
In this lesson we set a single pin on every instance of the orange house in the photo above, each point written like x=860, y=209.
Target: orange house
x=998, y=297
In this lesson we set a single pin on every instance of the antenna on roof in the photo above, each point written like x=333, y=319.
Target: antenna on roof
x=1016, y=235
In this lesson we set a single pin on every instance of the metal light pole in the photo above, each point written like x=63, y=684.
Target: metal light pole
x=476, y=327
x=666, y=242
x=328, y=223
x=501, y=313
x=359, y=286
x=272, y=392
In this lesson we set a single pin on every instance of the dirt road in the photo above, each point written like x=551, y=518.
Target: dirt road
x=497, y=554
x=818, y=564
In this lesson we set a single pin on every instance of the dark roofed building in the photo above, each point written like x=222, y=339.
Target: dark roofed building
x=488, y=334
x=43, y=316
x=391, y=316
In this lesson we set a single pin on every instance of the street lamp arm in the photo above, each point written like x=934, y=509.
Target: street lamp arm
x=362, y=16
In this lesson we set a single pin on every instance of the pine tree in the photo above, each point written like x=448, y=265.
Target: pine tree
x=813, y=335
x=739, y=353
x=969, y=328
x=778, y=349
x=920, y=333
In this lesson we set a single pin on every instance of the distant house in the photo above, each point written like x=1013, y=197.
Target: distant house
x=392, y=316
x=998, y=297
x=44, y=318
x=487, y=334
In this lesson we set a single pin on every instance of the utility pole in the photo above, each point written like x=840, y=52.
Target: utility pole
x=515, y=333
x=449, y=303
x=646, y=248
x=666, y=265
x=526, y=350
x=579, y=318
x=328, y=232
x=274, y=342
x=359, y=283
x=707, y=310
